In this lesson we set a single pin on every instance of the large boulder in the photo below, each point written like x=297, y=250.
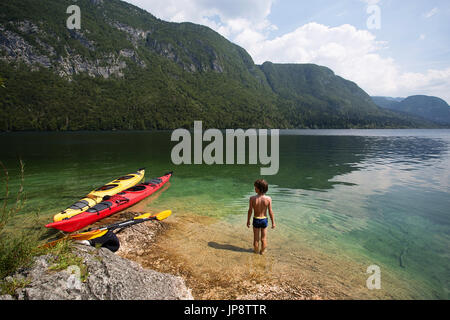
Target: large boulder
x=109, y=277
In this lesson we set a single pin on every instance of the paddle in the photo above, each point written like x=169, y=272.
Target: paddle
x=89, y=234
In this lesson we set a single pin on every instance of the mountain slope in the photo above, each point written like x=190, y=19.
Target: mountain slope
x=427, y=107
x=386, y=102
x=313, y=96
x=126, y=69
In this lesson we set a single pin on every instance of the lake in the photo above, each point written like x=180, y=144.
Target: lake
x=343, y=200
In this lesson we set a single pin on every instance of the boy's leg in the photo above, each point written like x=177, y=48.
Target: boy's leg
x=255, y=239
x=263, y=240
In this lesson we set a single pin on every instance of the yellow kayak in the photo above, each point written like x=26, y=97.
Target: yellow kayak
x=96, y=196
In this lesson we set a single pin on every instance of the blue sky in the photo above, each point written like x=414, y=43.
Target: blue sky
x=408, y=54
x=403, y=23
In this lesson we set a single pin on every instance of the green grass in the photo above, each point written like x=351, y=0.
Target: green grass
x=15, y=248
x=63, y=257
x=11, y=285
x=18, y=248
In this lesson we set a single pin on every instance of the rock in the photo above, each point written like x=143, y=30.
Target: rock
x=80, y=36
x=131, y=54
x=134, y=35
x=73, y=64
x=188, y=59
x=110, y=277
x=16, y=48
x=27, y=27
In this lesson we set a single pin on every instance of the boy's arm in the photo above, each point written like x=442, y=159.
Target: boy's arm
x=271, y=213
x=250, y=210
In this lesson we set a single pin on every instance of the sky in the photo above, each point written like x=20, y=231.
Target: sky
x=395, y=48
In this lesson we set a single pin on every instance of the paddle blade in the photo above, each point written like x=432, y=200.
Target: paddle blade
x=158, y=216
x=144, y=216
x=88, y=235
x=163, y=215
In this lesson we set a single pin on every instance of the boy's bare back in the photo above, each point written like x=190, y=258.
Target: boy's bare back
x=260, y=205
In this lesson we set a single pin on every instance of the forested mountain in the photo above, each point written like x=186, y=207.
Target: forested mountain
x=430, y=108
x=126, y=69
x=386, y=102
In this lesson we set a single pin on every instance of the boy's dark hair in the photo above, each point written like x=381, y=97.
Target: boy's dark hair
x=262, y=185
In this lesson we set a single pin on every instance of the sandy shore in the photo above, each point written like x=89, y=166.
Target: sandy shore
x=216, y=269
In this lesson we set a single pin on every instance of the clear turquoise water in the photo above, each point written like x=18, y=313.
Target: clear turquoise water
x=377, y=195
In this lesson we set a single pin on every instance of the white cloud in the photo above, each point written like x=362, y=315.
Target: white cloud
x=227, y=17
x=433, y=82
x=351, y=53
x=431, y=13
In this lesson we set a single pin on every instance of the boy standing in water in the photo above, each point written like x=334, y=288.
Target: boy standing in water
x=260, y=203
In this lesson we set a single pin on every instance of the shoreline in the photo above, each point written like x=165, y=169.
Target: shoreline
x=225, y=271
x=282, y=130
x=221, y=270
x=220, y=285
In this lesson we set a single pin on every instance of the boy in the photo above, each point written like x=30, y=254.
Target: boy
x=259, y=204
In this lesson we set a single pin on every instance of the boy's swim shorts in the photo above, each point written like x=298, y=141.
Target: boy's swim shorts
x=260, y=222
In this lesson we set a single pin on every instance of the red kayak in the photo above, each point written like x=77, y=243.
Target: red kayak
x=111, y=205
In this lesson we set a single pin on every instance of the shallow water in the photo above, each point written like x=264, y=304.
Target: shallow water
x=343, y=200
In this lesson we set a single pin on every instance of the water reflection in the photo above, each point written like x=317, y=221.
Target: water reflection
x=312, y=162
x=406, y=150
x=308, y=162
